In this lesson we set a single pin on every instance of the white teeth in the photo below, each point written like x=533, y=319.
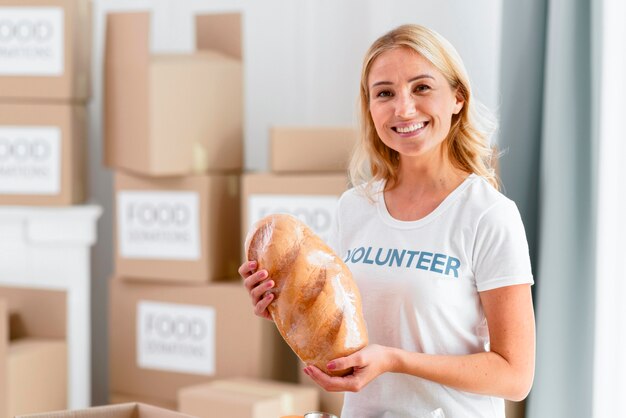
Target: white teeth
x=411, y=128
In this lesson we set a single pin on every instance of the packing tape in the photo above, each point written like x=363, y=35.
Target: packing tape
x=199, y=158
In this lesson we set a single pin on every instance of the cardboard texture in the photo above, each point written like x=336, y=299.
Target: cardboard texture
x=331, y=402
x=45, y=50
x=35, y=312
x=115, y=398
x=127, y=410
x=33, y=351
x=247, y=398
x=37, y=375
x=42, y=154
x=311, y=149
x=177, y=229
x=166, y=114
x=159, y=340
x=310, y=197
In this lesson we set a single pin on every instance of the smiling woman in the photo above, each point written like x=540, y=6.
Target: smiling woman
x=412, y=113
x=438, y=253
x=417, y=75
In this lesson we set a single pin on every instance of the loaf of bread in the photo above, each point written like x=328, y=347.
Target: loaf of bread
x=317, y=305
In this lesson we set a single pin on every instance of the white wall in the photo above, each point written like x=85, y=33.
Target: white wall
x=302, y=64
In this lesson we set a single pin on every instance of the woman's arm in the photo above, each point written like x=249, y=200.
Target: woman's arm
x=506, y=371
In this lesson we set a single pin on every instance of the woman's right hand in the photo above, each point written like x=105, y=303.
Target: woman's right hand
x=257, y=284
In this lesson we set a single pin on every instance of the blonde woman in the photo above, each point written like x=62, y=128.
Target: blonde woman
x=439, y=254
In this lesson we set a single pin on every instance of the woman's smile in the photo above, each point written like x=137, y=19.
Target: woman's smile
x=411, y=129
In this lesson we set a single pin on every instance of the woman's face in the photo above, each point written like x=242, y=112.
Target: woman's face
x=411, y=102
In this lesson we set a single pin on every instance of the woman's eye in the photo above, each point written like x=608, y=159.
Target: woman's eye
x=384, y=93
x=421, y=88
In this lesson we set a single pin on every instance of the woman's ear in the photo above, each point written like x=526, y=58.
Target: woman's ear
x=458, y=105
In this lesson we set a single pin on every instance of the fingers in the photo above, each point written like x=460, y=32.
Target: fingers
x=342, y=363
x=257, y=286
x=260, y=290
x=247, y=268
x=254, y=280
x=332, y=384
x=251, y=277
x=260, y=309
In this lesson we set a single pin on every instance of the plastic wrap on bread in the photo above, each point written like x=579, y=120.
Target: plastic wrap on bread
x=317, y=305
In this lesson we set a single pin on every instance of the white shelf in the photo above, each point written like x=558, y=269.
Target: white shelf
x=49, y=248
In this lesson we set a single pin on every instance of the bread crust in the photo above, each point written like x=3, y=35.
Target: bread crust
x=317, y=306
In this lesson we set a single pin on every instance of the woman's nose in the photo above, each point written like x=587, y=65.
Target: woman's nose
x=405, y=105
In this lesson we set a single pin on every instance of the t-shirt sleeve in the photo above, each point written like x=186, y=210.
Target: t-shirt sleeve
x=501, y=257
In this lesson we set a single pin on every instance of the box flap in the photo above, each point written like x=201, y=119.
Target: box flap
x=118, y=397
x=220, y=32
x=128, y=40
x=149, y=411
x=125, y=410
x=128, y=410
x=126, y=94
x=35, y=312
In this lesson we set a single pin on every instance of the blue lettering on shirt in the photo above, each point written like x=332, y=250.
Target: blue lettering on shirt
x=396, y=257
x=378, y=260
x=393, y=257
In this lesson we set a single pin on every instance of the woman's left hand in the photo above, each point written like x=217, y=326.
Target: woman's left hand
x=367, y=364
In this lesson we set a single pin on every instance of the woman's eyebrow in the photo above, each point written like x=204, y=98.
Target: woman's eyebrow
x=418, y=77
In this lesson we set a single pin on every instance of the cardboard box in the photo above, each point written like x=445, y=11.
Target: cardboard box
x=45, y=49
x=311, y=197
x=115, y=398
x=33, y=351
x=177, y=229
x=311, y=149
x=173, y=114
x=247, y=398
x=42, y=154
x=35, y=313
x=331, y=402
x=163, y=338
x=37, y=375
x=128, y=410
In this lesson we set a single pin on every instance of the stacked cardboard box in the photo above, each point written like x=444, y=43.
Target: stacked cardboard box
x=44, y=85
x=175, y=144
x=178, y=316
x=185, y=335
x=308, y=174
x=33, y=351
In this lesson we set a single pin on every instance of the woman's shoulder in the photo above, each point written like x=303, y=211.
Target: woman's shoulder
x=485, y=198
x=365, y=191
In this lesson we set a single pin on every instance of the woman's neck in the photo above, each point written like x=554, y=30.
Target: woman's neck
x=420, y=188
x=432, y=174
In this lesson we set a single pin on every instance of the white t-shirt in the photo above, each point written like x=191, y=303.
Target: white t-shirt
x=419, y=283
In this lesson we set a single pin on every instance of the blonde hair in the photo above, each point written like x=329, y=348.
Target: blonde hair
x=470, y=130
